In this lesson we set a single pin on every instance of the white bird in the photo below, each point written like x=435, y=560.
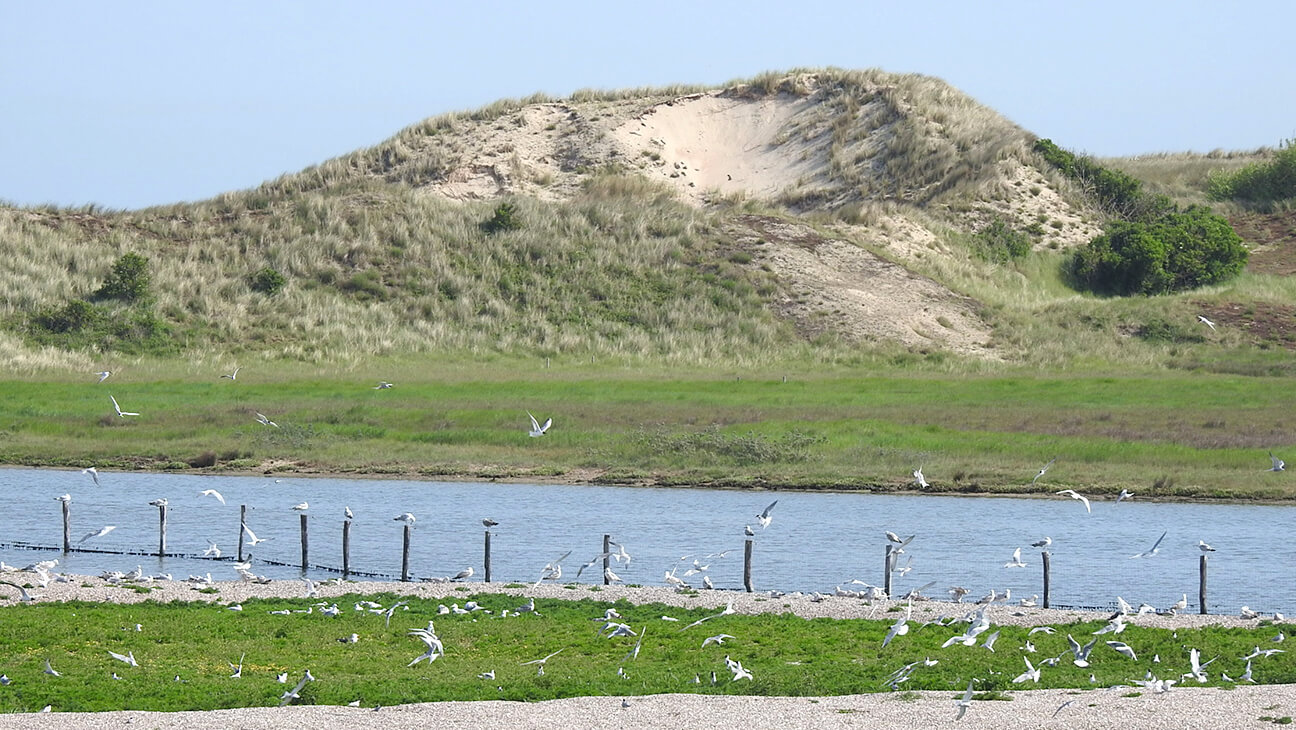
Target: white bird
x=1278, y=464
x=261, y=419
x=990, y=641
x=99, y=533
x=717, y=639
x=93, y=472
x=128, y=658
x=51, y=670
x=1155, y=548
x=1246, y=676
x=1042, y=470
x=764, y=517
x=301, y=507
x=748, y=531
x=900, y=627
x=233, y=375
x=161, y=502
x=212, y=493
x=489, y=523
x=1032, y=673
x=117, y=408
x=538, y=430
x=1194, y=657
x=1016, y=561
x=964, y=703
x=1205, y=321
x=1246, y=612
x=1124, y=495
x=407, y=518
x=1181, y=604
x=1072, y=494
x=26, y=597
x=103, y=375
x=1123, y=648
x=1201, y=545
x=897, y=540
x=487, y=675
x=382, y=385
x=65, y=499
x=919, y=479
x=1081, y=653
x=1043, y=543
x=461, y=575
x=737, y=668
x=282, y=678
x=347, y=511
x=252, y=536
x=611, y=577
x=541, y=662
x=212, y=550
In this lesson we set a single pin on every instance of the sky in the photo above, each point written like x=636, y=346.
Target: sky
x=127, y=105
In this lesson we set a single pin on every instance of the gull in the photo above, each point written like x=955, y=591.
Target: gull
x=1280, y=638
x=536, y=429
x=1072, y=494
x=212, y=493
x=1043, y=543
x=1016, y=561
x=51, y=670
x=93, y=472
x=382, y=385
x=748, y=531
x=461, y=575
x=1124, y=495
x=1032, y=673
x=1081, y=653
x=103, y=375
x=233, y=375
x=621, y=553
x=120, y=412
x=1201, y=545
x=301, y=507
x=1248, y=613
x=65, y=499
x=212, y=550
x=1205, y=321
x=1278, y=464
x=100, y=533
x=261, y=419
x=552, y=571
x=159, y=502
x=1042, y=470
x=1123, y=648
x=611, y=577
x=406, y=517
x=528, y=607
x=900, y=627
x=899, y=541
x=919, y=479
x=718, y=639
x=966, y=702
x=26, y=597
x=311, y=590
x=489, y=523
x=1155, y=548
x=252, y=536
x=764, y=517
x=541, y=662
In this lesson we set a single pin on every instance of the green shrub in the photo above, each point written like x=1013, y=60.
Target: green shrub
x=267, y=281
x=1000, y=243
x=74, y=316
x=1116, y=192
x=505, y=219
x=1261, y=182
x=128, y=281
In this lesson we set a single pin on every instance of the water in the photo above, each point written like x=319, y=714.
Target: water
x=816, y=541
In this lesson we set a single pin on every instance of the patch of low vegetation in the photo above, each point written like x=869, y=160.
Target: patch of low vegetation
x=1260, y=184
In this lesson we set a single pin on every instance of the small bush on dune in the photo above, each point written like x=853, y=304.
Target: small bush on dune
x=1260, y=183
x=129, y=280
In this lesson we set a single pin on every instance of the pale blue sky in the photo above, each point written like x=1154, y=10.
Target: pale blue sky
x=140, y=103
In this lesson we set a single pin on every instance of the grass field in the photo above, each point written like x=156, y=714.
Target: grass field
x=1168, y=434
x=185, y=652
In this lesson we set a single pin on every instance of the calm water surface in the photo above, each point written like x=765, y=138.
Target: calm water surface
x=816, y=541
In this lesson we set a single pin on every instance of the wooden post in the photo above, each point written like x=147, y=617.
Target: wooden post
x=546, y=363
x=607, y=565
x=242, y=529
x=886, y=578
x=405, y=556
x=305, y=544
x=747, y=560
x=67, y=526
x=161, y=530
x=1201, y=590
x=486, y=558
x=1045, y=555
x=346, y=548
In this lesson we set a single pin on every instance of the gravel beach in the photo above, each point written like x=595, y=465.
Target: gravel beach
x=1182, y=707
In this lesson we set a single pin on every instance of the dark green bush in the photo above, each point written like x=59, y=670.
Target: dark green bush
x=1261, y=182
x=505, y=219
x=267, y=281
x=1000, y=243
x=74, y=316
x=1115, y=191
x=128, y=281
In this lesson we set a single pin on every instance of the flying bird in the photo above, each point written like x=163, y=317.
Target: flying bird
x=117, y=408
x=538, y=430
x=717, y=639
x=252, y=536
x=1205, y=321
x=764, y=518
x=1073, y=495
x=1032, y=673
x=99, y=533
x=1124, y=495
x=965, y=703
x=261, y=419
x=1155, y=548
x=1042, y=470
x=93, y=472
x=1278, y=464
x=233, y=375
x=1016, y=561
x=1123, y=648
x=26, y=597
x=382, y=385
x=103, y=375
x=900, y=627
x=919, y=479
x=541, y=662
x=128, y=658
x=212, y=493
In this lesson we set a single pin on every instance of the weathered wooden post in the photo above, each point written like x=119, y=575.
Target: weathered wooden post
x=1045, y=555
x=346, y=548
x=242, y=529
x=607, y=565
x=486, y=558
x=162, y=529
x=405, y=556
x=305, y=543
x=886, y=566
x=1201, y=589
x=747, y=561
x=67, y=525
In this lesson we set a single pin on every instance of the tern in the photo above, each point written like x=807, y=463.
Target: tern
x=737, y=668
x=212, y=550
x=117, y=408
x=900, y=627
x=1032, y=673
x=26, y=597
x=1155, y=548
x=1072, y=494
x=93, y=472
x=212, y=493
x=261, y=419
x=382, y=385
x=899, y=541
x=1123, y=648
x=764, y=517
x=1042, y=470
x=919, y=479
x=1043, y=543
x=99, y=533
x=347, y=512
x=1201, y=545
x=301, y=507
x=541, y=662
x=406, y=517
x=965, y=703
x=1278, y=464
x=1124, y=495
x=717, y=639
x=233, y=375
x=538, y=430
x=1194, y=657
x=1016, y=561
x=1205, y=321
x=128, y=658
x=51, y=670
x=103, y=375
x=291, y=694
x=252, y=536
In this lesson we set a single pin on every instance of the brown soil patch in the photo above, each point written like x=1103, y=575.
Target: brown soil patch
x=1262, y=322
x=1272, y=237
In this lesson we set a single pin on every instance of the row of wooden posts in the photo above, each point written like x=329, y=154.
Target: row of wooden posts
x=888, y=568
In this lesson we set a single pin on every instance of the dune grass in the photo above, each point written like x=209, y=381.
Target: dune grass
x=185, y=652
